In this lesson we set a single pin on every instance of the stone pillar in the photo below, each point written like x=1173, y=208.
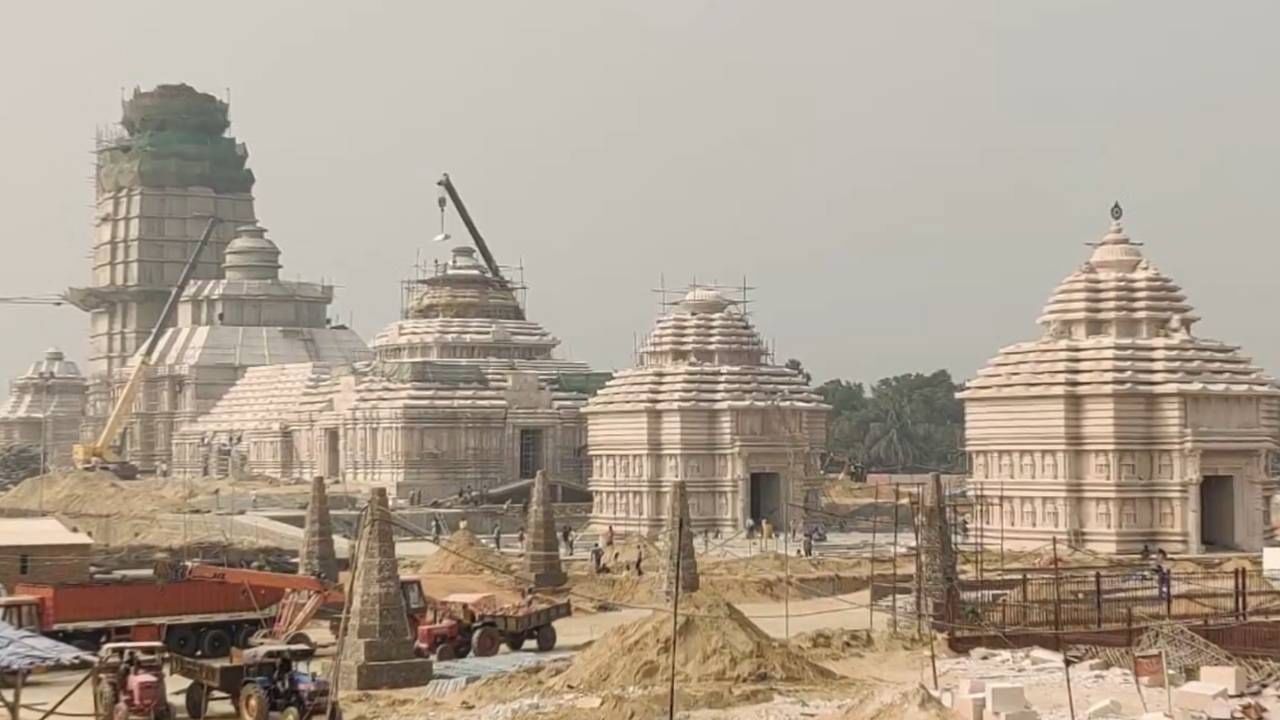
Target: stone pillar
x=377, y=650
x=318, y=558
x=542, y=547
x=1191, y=529
x=679, y=544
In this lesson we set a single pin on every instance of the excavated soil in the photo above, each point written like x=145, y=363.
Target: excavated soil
x=463, y=554
x=715, y=642
x=94, y=494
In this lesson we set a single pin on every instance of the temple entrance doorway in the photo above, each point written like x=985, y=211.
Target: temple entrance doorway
x=332, y=455
x=1217, y=512
x=766, y=499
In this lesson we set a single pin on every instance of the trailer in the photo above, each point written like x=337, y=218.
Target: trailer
x=463, y=623
x=248, y=681
x=190, y=616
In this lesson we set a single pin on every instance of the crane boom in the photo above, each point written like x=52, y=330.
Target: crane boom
x=489, y=262
x=100, y=451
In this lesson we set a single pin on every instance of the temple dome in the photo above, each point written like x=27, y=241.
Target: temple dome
x=251, y=256
x=1118, y=323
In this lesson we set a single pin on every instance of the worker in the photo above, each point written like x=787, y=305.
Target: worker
x=808, y=544
x=497, y=536
x=567, y=536
x=608, y=536
x=706, y=540
x=436, y=530
x=751, y=528
x=127, y=668
x=520, y=537
x=766, y=532
x=253, y=498
x=1145, y=554
x=283, y=678
x=597, y=558
x=639, y=560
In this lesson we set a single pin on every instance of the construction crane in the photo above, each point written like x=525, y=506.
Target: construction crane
x=447, y=185
x=101, y=453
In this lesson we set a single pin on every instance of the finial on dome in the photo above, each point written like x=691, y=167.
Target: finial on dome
x=1117, y=212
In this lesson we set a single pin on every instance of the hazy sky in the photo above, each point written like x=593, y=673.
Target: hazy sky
x=903, y=183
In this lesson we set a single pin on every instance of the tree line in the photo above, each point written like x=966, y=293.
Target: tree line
x=905, y=423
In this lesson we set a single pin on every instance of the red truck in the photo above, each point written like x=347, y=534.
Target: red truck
x=191, y=616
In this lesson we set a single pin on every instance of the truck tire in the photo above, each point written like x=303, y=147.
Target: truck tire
x=299, y=638
x=163, y=712
x=291, y=713
x=463, y=649
x=181, y=640
x=215, y=642
x=244, y=636
x=196, y=700
x=253, y=703
x=446, y=652
x=486, y=641
x=515, y=641
x=546, y=637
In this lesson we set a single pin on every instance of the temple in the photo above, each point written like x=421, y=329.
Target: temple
x=1118, y=427
x=462, y=393
x=704, y=406
x=45, y=408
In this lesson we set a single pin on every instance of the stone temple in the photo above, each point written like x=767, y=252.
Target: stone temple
x=704, y=406
x=45, y=408
x=463, y=392
x=1118, y=426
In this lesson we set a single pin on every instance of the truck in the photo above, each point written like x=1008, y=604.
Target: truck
x=249, y=680
x=190, y=616
x=462, y=623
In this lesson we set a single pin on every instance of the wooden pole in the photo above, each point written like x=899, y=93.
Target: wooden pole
x=893, y=606
x=871, y=597
x=919, y=566
x=1057, y=595
x=675, y=617
x=1066, y=671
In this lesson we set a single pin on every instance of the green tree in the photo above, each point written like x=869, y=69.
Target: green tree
x=908, y=422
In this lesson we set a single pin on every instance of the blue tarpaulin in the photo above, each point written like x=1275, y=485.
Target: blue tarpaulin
x=23, y=650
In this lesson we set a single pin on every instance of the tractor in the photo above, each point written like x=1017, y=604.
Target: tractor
x=128, y=682
x=272, y=683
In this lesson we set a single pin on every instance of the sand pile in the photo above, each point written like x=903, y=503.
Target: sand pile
x=715, y=642
x=897, y=704
x=776, y=562
x=94, y=494
x=463, y=554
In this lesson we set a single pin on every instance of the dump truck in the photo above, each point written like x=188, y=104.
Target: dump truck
x=191, y=616
x=462, y=623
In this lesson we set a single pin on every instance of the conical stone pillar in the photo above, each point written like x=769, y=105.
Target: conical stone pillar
x=377, y=650
x=679, y=535
x=318, y=557
x=542, y=548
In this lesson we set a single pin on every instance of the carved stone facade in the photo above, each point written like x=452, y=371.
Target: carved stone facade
x=1119, y=427
x=463, y=393
x=45, y=408
x=704, y=407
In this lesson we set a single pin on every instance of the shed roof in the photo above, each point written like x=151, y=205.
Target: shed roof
x=39, y=531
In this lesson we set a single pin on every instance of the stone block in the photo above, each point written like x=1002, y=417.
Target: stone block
x=1103, y=709
x=1220, y=710
x=386, y=675
x=1005, y=698
x=1087, y=666
x=1232, y=677
x=1040, y=656
x=1197, y=695
x=970, y=707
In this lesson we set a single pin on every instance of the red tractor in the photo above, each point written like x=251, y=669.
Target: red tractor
x=460, y=624
x=128, y=682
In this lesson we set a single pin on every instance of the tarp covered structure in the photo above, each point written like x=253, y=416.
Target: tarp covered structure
x=23, y=651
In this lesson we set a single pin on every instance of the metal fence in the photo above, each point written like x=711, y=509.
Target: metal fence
x=1114, y=599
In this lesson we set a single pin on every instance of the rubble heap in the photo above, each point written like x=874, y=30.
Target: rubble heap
x=715, y=642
